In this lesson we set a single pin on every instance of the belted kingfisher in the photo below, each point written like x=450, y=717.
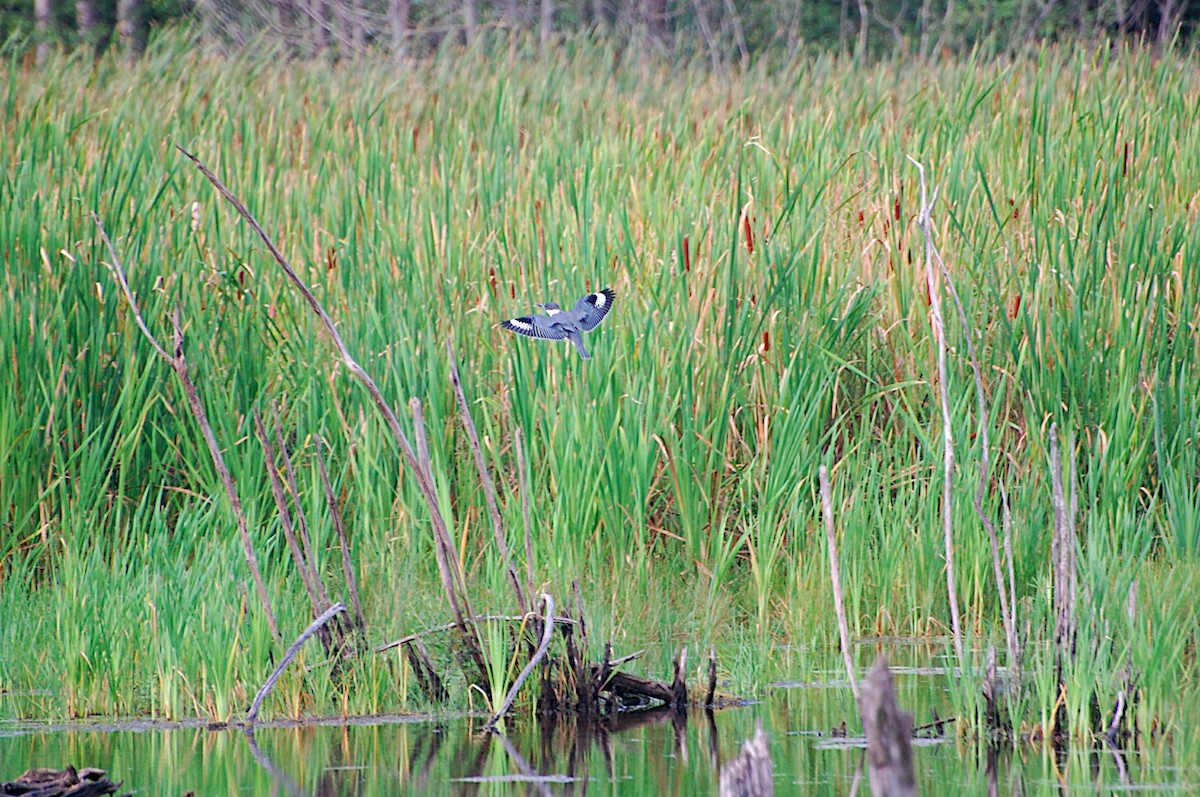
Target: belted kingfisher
x=558, y=324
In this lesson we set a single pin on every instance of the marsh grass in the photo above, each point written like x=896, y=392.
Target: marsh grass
x=771, y=316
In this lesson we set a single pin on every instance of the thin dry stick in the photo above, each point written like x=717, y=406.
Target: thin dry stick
x=179, y=364
x=443, y=547
x=313, y=627
x=835, y=575
x=339, y=525
x=488, y=618
x=1006, y=524
x=981, y=410
x=485, y=480
x=547, y=634
x=451, y=574
x=521, y=485
x=939, y=333
x=285, y=515
x=301, y=523
x=418, y=413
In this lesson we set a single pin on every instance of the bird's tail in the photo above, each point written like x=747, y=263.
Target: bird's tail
x=577, y=339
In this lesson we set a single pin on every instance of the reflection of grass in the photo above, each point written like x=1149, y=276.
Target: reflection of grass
x=424, y=758
x=771, y=316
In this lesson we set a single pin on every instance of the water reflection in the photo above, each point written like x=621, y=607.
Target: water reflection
x=811, y=725
x=663, y=752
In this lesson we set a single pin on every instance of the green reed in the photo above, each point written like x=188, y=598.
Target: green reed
x=771, y=316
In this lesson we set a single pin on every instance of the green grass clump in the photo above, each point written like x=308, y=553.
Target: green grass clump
x=771, y=316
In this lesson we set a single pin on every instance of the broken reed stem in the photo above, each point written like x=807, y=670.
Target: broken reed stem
x=313, y=627
x=339, y=526
x=285, y=515
x=711, y=694
x=1062, y=554
x=1113, y=732
x=939, y=333
x=835, y=575
x=485, y=480
x=1006, y=524
x=1007, y=598
x=488, y=618
x=448, y=566
x=179, y=364
x=543, y=646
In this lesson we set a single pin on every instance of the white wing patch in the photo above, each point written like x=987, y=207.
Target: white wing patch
x=601, y=299
x=517, y=323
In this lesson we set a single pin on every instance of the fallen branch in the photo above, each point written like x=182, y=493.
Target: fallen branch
x=547, y=634
x=313, y=627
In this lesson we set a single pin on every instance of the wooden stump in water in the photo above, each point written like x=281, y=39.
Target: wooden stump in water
x=751, y=774
x=65, y=783
x=889, y=735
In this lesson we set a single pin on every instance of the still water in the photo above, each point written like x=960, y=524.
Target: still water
x=659, y=753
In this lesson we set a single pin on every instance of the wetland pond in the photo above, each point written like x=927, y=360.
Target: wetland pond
x=658, y=753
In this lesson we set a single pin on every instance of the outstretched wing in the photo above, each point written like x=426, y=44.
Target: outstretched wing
x=591, y=309
x=535, y=326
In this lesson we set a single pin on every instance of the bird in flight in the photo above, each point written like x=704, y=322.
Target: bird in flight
x=560, y=324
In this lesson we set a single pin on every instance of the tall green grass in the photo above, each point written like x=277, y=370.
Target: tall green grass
x=771, y=316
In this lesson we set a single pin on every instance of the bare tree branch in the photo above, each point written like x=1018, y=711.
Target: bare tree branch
x=547, y=633
x=179, y=364
x=447, y=556
x=939, y=333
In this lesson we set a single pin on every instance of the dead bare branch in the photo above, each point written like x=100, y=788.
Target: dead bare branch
x=447, y=557
x=835, y=575
x=179, y=364
x=313, y=627
x=925, y=222
x=485, y=480
x=547, y=634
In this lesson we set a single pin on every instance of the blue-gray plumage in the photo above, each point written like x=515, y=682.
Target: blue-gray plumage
x=559, y=324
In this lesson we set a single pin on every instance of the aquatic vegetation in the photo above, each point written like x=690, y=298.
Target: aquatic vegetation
x=759, y=230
